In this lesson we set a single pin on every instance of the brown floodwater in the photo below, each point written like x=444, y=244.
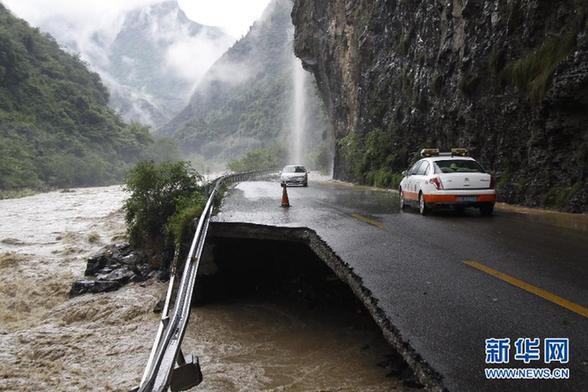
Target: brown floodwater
x=272, y=346
x=49, y=342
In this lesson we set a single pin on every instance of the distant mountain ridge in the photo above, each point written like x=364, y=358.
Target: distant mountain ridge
x=150, y=59
x=151, y=89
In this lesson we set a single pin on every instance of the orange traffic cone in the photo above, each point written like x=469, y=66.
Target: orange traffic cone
x=285, y=200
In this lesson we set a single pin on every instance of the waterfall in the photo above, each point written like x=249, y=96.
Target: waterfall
x=298, y=113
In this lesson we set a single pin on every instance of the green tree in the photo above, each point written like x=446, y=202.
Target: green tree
x=164, y=199
x=259, y=159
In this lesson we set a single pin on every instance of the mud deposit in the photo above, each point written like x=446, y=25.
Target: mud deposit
x=49, y=342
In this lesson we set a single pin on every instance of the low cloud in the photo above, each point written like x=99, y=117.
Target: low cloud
x=90, y=28
x=86, y=27
x=232, y=73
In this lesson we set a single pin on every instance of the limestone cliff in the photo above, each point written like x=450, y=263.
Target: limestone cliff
x=506, y=78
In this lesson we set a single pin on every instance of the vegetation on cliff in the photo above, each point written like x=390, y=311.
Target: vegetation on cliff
x=56, y=129
x=533, y=73
x=371, y=157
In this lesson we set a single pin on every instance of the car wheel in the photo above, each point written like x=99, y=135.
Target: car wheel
x=423, y=208
x=487, y=209
x=402, y=202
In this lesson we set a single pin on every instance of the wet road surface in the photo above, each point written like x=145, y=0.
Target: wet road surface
x=447, y=282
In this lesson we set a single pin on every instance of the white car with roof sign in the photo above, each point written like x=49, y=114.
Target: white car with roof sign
x=447, y=179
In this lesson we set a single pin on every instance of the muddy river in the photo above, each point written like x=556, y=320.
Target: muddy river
x=101, y=342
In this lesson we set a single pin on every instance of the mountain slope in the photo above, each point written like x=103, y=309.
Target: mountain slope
x=157, y=58
x=506, y=78
x=150, y=58
x=55, y=126
x=245, y=100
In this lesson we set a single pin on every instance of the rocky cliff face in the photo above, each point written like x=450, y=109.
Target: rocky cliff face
x=506, y=78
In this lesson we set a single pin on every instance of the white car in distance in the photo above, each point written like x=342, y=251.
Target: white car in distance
x=294, y=175
x=447, y=179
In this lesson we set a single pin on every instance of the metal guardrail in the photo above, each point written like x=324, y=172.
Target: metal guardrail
x=160, y=372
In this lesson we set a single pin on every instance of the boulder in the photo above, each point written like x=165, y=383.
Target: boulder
x=113, y=267
x=93, y=286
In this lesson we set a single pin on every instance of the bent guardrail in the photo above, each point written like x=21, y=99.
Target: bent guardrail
x=160, y=372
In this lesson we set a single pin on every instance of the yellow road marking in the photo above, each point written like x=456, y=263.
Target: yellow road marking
x=564, y=303
x=367, y=220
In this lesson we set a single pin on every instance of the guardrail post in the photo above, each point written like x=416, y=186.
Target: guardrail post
x=187, y=375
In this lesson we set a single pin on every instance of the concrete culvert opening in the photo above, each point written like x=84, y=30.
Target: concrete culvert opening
x=310, y=330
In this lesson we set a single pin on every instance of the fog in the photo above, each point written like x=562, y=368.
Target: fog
x=180, y=58
x=77, y=22
x=233, y=16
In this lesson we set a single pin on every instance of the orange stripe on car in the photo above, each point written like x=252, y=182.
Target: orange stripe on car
x=453, y=198
x=487, y=198
x=410, y=195
x=440, y=198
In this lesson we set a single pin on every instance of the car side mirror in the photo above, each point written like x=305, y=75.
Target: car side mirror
x=404, y=173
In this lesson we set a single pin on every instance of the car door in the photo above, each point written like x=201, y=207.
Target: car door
x=410, y=184
x=421, y=176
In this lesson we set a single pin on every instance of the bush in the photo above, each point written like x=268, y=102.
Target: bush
x=260, y=159
x=322, y=158
x=164, y=199
x=179, y=225
x=163, y=149
x=559, y=197
x=352, y=149
x=384, y=178
x=373, y=158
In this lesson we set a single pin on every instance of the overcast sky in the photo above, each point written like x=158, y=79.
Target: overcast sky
x=235, y=16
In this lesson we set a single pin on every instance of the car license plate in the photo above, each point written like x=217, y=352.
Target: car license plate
x=467, y=199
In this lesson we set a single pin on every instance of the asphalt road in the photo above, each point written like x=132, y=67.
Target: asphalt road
x=438, y=277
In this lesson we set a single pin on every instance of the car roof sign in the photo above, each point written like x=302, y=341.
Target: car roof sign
x=462, y=152
x=429, y=152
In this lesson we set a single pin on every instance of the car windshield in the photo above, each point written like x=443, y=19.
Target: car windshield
x=458, y=166
x=294, y=169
